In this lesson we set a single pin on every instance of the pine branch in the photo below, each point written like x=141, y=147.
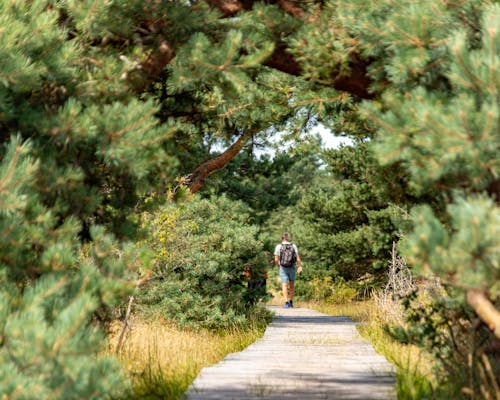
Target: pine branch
x=196, y=180
x=357, y=82
x=478, y=300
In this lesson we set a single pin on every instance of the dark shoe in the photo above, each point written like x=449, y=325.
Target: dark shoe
x=291, y=303
x=287, y=305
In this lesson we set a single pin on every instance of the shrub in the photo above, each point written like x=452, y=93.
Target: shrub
x=327, y=289
x=205, y=253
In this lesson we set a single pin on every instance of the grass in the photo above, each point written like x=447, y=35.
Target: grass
x=163, y=360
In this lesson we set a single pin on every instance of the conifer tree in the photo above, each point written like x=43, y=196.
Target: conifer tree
x=350, y=221
x=206, y=251
x=443, y=126
x=77, y=152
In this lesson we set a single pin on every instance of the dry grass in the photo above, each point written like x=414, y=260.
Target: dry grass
x=277, y=298
x=162, y=360
x=359, y=311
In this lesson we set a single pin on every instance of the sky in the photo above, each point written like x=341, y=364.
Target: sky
x=330, y=141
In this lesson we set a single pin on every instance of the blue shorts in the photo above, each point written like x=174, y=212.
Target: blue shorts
x=287, y=274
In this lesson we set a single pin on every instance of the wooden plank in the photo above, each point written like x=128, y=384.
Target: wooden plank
x=303, y=355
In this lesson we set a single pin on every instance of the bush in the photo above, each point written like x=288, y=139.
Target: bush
x=327, y=289
x=205, y=254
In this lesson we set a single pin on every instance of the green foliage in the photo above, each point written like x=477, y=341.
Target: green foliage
x=323, y=47
x=348, y=222
x=441, y=124
x=205, y=249
x=45, y=342
x=266, y=183
x=77, y=154
x=226, y=66
x=448, y=138
x=48, y=347
x=464, y=252
x=92, y=146
x=411, y=384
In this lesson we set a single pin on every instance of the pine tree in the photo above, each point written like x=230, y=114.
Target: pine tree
x=437, y=117
x=77, y=153
x=444, y=128
x=350, y=221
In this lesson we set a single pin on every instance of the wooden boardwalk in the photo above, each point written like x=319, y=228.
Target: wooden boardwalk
x=303, y=355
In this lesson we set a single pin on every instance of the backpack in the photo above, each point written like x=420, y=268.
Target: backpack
x=288, y=256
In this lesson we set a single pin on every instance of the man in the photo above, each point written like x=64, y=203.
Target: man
x=286, y=257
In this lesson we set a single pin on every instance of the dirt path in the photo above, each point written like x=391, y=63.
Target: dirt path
x=303, y=355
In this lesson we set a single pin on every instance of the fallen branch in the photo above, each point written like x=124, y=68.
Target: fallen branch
x=125, y=324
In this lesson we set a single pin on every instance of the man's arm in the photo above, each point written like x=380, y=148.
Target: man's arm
x=299, y=262
x=277, y=255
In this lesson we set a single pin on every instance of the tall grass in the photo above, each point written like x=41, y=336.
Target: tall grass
x=163, y=360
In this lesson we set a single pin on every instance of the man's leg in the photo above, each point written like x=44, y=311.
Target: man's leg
x=292, y=290
x=284, y=286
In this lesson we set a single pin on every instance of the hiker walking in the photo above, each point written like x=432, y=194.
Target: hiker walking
x=286, y=256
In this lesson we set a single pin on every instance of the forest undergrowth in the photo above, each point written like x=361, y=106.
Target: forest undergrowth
x=162, y=360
